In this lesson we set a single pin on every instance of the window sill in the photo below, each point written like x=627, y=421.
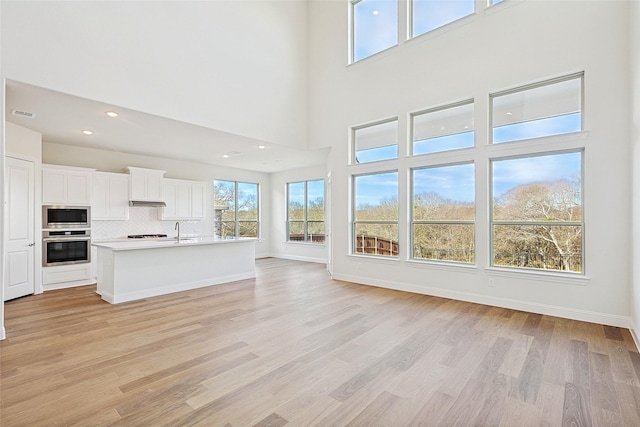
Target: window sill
x=443, y=265
x=288, y=242
x=375, y=258
x=537, y=275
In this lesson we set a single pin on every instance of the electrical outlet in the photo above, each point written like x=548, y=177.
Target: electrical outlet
x=491, y=283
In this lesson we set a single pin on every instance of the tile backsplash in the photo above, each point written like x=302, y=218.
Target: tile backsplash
x=144, y=220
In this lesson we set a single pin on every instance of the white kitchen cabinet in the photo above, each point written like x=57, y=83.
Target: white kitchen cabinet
x=66, y=276
x=184, y=199
x=110, y=196
x=63, y=185
x=145, y=184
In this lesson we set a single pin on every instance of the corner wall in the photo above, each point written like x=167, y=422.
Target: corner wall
x=280, y=248
x=634, y=114
x=497, y=48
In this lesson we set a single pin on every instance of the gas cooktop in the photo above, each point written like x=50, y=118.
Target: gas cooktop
x=146, y=236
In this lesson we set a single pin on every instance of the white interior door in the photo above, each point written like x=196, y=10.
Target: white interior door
x=20, y=243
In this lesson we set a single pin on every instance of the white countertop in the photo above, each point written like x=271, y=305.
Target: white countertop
x=136, y=244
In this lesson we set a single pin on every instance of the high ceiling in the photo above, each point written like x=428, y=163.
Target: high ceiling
x=61, y=118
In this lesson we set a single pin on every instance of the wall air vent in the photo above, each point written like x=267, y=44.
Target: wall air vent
x=26, y=114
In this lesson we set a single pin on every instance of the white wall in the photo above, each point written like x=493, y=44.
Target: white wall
x=23, y=142
x=634, y=53
x=107, y=161
x=2, y=211
x=235, y=66
x=495, y=49
x=279, y=246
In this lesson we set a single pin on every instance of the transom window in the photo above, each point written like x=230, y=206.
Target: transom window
x=235, y=209
x=376, y=142
x=375, y=214
x=305, y=211
x=443, y=128
x=374, y=27
x=545, y=109
x=428, y=15
x=537, y=217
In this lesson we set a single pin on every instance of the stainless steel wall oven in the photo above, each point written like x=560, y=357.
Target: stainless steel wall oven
x=61, y=247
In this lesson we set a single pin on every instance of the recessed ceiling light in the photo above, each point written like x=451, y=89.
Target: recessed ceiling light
x=226, y=156
x=111, y=114
x=375, y=12
x=262, y=147
x=87, y=132
x=509, y=113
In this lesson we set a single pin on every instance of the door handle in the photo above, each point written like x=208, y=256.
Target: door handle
x=31, y=244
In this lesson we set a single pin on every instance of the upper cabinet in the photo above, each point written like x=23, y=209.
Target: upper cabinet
x=184, y=199
x=145, y=184
x=63, y=185
x=110, y=196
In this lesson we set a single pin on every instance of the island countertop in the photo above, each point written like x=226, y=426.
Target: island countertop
x=137, y=244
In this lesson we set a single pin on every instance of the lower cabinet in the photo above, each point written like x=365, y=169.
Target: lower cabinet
x=66, y=276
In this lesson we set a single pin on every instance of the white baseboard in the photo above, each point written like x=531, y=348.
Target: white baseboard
x=300, y=258
x=551, y=310
x=634, y=334
x=3, y=334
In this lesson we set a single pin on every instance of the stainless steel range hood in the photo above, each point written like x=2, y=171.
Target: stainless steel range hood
x=147, y=203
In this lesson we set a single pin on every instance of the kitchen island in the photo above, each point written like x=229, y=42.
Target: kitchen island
x=137, y=269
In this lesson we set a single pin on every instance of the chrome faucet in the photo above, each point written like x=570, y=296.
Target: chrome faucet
x=177, y=227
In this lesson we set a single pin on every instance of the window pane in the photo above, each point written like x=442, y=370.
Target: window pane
x=444, y=129
x=315, y=231
x=376, y=239
x=247, y=201
x=547, y=110
x=445, y=242
x=296, y=231
x=228, y=229
x=377, y=142
x=375, y=27
x=296, y=200
x=248, y=229
x=315, y=200
x=376, y=197
x=444, y=193
x=431, y=14
x=541, y=188
x=224, y=193
x=548, y=247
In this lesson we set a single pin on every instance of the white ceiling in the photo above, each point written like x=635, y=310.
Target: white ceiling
x=61, y=118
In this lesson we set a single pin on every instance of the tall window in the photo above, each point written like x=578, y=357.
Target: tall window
x=427, y=15
x=376, y=142
x=443, y=213
x=236, y=209
x=443, y=128
x=537, y=212
x=305, y=211
x=375, y=216
x=374, y=27
x=549, y=108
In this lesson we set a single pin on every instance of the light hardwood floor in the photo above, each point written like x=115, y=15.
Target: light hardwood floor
x=295, y=348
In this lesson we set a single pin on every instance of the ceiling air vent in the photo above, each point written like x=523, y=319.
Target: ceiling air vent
x=26, y=114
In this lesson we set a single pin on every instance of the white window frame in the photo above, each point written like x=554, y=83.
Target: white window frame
x=306, y=220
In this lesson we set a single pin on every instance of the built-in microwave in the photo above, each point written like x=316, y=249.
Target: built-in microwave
x=56, y=216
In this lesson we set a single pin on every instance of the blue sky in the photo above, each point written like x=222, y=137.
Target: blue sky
x=457, y=182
